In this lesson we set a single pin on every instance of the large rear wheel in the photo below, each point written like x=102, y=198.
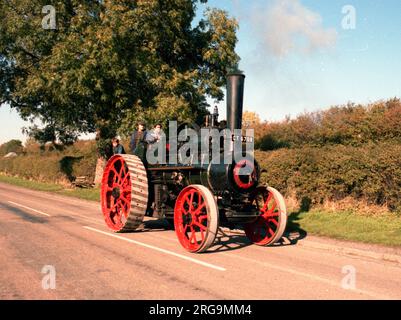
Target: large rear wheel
x=269, y=227
x=196, y=218
x=124, y=193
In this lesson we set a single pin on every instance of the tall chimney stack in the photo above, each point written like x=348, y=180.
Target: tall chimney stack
x=235, y=100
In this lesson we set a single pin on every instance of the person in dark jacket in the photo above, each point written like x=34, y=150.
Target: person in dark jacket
x=138, y=138
x=117, y=147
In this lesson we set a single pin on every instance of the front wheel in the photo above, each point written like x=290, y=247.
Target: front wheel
x=270, y=225
x=196, y=218
x=124, y=193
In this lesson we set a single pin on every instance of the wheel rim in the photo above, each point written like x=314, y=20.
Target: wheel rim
x=270, y=224
x=116, y=193
x=195, y=219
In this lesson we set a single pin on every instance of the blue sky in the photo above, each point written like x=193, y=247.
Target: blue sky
x=297, y=56
x=362, y=65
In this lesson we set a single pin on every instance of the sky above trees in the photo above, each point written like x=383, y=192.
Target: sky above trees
x=297, y=55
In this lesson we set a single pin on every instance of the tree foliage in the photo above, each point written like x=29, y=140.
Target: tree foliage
x=250, y=119
x=11, y=146
x=110, y=61
x=348, y=125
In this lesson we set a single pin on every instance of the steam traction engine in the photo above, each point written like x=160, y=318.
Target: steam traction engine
x=197, y=198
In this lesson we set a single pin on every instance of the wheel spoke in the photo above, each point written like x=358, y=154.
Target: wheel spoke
x=270, y=230
x=266, y=204
x=193, y=235
x=273, y=208
x=114, y=206
x=118, y=177
x=117, y=214
x=125, y=179
x=198, y=210
x=201, y=226
x=111, y=203
x=114, y=212
x=202, y=232
x=123, y=174
x=185, y=228
x=275, y=222
x=183, y=210
x=274, y=214
x=122, y=169
x=269, y=212
x=190, y=198
x=115, y=176
x=125, y=200
x=125, y=207
x=264, y=230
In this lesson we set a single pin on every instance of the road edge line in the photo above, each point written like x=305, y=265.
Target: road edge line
x=205, y=264
x=29, y=208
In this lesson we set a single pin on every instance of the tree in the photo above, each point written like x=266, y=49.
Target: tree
x=250, y=119
x=11, y=146
x=109, y=61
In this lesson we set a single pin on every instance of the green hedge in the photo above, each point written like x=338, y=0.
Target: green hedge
x=348, y=125
x=371, y=173
x=53, y=166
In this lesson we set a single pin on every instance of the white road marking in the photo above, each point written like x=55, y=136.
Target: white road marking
x=49, y=195
x=25, y=207
x=205, y=264
x=269, y=265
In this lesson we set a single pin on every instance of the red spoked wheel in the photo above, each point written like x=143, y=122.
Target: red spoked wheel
x=271, y=223
x=124, y=193
x=196, y=218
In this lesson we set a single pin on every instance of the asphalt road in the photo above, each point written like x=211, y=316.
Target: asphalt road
x=55, y=247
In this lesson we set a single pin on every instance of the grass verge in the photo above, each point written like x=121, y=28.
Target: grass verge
x=86, y=194
x=348, y=225
x=345, y=225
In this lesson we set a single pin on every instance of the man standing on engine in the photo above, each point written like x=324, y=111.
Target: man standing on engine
x=138, y=139
x=155, y=135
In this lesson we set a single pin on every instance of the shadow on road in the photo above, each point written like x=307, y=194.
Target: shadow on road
x=233, y=239
x=154, y=226
x=294, y=232
x=229, y=242
x=24, y=214
x=237, y=239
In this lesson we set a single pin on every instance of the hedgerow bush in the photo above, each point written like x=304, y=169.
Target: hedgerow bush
x=349, y=125
x=371, y=173
x=42, y=164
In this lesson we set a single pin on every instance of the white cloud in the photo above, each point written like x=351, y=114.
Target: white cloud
x=288, y=26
